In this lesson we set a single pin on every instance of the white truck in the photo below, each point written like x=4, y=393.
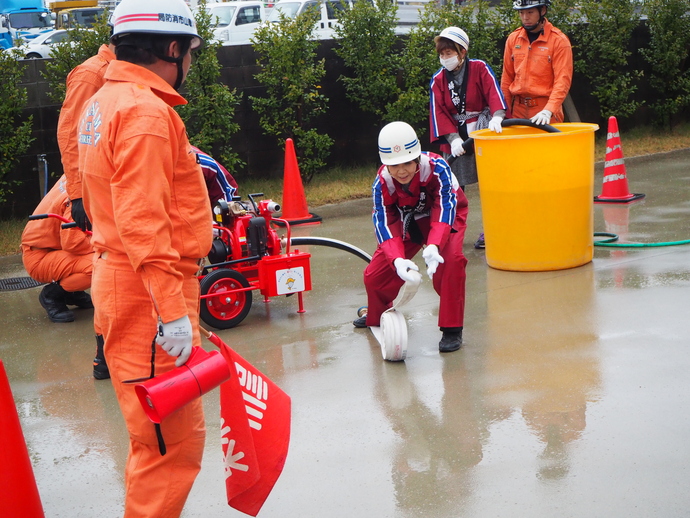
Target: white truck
x=330, y=9
x=235, y=22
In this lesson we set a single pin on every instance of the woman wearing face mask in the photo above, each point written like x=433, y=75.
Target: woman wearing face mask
x=465, y=96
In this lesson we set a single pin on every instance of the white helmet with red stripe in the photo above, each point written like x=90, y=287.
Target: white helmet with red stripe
x=154, y=17
x=398, y=143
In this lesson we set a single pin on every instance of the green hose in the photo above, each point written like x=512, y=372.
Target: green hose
x=610, y=242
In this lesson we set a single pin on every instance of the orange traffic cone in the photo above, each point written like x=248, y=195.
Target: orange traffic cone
x=615, y=189
x=18, y=492
x=295, y=209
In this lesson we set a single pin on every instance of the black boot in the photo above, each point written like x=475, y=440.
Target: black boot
x=361, y=322
x=451, y=340
x=81, y=299
x=52, y=298
x=100, y=369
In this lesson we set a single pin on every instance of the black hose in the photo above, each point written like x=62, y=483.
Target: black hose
x=526, y=122
x=333, y=243
x=468, y=144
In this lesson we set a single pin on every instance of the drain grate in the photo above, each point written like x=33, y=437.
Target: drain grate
x=18, y=283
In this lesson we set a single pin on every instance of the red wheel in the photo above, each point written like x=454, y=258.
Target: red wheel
x=227, y=307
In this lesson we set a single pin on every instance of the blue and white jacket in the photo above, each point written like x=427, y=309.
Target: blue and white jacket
x=433, y=193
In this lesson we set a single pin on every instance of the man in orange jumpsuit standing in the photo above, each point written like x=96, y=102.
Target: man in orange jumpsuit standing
x=145, y=196
x=537, y=66
x=82, y=82
x=61, y=257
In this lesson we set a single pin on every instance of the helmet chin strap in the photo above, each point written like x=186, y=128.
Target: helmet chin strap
x=180, y=71
x=542, y=17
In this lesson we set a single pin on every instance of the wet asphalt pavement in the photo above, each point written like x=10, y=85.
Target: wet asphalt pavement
x=569, y=397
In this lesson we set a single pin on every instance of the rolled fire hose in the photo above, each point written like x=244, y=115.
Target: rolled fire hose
x=392, y=333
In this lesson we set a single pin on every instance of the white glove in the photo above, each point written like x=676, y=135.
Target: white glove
x=456, y=148
x=495, y=124
x=401, y=267
x=175, y=338
x=541, y=118
x=432, y=259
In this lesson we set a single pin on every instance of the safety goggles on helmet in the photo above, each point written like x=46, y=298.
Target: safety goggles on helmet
x=171, y=17
x=528, y=4
x=456, y=35
x=398, y=143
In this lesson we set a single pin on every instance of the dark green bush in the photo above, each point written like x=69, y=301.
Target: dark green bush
x=667, y=55
x=292, y=75
x=602, y=54
x=210, y=113
x=368, y=47
x=15, y=133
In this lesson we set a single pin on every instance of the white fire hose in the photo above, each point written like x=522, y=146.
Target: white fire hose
x=392, y=333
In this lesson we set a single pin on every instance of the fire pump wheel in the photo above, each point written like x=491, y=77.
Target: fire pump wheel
x=228, y=307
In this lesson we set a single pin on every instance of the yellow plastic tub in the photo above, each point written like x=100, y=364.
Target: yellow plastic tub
x=537, y=192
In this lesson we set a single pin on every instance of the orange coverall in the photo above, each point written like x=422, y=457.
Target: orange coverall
x=51, y=253
x=537, y=76
x=82, y=82
x=146, y=198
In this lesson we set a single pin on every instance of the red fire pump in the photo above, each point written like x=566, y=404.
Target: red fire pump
x=247, y=255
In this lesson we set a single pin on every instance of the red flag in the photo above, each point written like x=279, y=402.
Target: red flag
x=255, y=416
x=239, y=454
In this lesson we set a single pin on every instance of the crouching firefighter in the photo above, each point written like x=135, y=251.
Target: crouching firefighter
x=60, y=257
x=64, y=259
x=144, y=193
x=418, y=204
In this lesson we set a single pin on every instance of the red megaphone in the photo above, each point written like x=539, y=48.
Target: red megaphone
x=162, y=395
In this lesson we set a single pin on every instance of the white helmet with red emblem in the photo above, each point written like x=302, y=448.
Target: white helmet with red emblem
x=398, y=143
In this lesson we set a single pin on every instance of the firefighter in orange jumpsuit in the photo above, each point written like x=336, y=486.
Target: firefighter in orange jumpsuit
x=145, y=196
x=61, y=257
x=82, y=82
x=537, y=66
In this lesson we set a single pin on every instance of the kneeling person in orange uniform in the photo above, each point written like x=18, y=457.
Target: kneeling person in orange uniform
x=61, y=257
x=145, y=196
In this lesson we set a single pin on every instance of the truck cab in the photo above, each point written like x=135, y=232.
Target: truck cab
x=5, y=36
x=23, y=19
x=78, y=16
x=70, y=13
